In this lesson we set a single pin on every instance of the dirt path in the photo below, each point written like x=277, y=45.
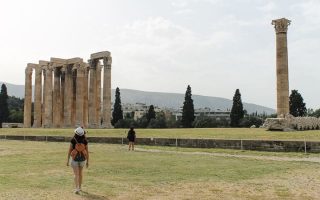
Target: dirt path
x=272, y=158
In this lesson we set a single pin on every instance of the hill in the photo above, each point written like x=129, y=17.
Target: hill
x=167, y=100
x=175, y=100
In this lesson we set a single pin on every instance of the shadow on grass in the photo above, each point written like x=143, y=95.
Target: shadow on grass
x=90, y=196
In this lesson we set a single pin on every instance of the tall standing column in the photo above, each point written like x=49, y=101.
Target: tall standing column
x=73, y=95
x=37, y=97
x=92, y=94
x=98, y=100
x=79, y=95
x=107, y=92
x=56, y=99
x=27, y=97
x=43, y=118
x=85, y=97
x=48, y=98
x=281, y=28
x=62, y=88
x=67, y=96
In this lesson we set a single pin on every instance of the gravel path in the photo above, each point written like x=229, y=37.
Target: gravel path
x=272, y=158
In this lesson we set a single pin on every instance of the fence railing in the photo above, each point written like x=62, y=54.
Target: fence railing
x=258, y=145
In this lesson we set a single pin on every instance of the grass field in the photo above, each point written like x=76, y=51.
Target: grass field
x=218, y=133
x=37, y=170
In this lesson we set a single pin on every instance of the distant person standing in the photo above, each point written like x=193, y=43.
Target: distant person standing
x=79, y=153
x=131, y=137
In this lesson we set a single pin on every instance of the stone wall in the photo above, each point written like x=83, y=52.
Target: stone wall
x=257, y=145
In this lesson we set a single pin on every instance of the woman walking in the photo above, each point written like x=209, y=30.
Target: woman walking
x=79, y=154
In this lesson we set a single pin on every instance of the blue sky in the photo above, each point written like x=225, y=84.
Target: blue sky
x=216, y=46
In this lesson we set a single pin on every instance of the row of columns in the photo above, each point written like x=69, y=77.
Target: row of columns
x=68, y=93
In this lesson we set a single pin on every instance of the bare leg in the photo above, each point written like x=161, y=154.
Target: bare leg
x=80, y=177
x=76, y=176
x=132, y=145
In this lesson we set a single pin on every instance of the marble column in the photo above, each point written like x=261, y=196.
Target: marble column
x=85, y=97
x=37, y=97
x=281, y=27
x=92, y=93
x=56, y=98
x=98, y=100
x=79, y=95
x=62, y=88
x=73, y=95
x=43, y=118
x=106, y=119
x=67, y=96
x=27, y=97
x=48, y=97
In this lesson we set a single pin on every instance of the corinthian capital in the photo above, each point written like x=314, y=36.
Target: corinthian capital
x=281, y=25
x=29, y=70
x=107, y=62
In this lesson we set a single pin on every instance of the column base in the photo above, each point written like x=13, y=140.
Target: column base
x=92, y=126
x=47, y=126
x=106, y=125
x=35, y=126
x=26, y=126
x=67, y=126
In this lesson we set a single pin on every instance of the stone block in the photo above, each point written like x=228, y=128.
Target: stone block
x=56, y=139
x=43, y=63
x=74, y=60
x=314, y=147
x=58, y=61
x=164, y=141
x=15, y=137
x=144, y=141
x=100, y=55
x=32, y=65
x=108, y=140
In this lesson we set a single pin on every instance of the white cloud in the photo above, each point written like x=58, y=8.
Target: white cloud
x=268, y=6
x=214, y=45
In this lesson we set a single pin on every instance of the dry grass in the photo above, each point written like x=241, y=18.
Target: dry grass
x=36, y=170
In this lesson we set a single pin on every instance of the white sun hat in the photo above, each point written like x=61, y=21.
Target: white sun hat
x=79, y=131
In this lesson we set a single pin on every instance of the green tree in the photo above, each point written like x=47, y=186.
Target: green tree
x=4, y=110
x=188, y=109
x=296, y=105
x=237, y=112
x=117, y=113
x=151, y=113
x=15, y=106
x=315, y=113
x=158, y=122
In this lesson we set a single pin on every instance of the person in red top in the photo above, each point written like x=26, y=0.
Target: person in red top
x=79, y=159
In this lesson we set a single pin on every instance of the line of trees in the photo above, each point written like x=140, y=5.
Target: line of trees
x=238, y=116
x=11, y=110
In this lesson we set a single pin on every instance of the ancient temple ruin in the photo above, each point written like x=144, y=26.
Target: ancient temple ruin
x=67, y=92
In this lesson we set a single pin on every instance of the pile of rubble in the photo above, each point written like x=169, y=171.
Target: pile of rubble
x=291, y=123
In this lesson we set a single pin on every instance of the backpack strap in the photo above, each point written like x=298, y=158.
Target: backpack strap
x=76, y=140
